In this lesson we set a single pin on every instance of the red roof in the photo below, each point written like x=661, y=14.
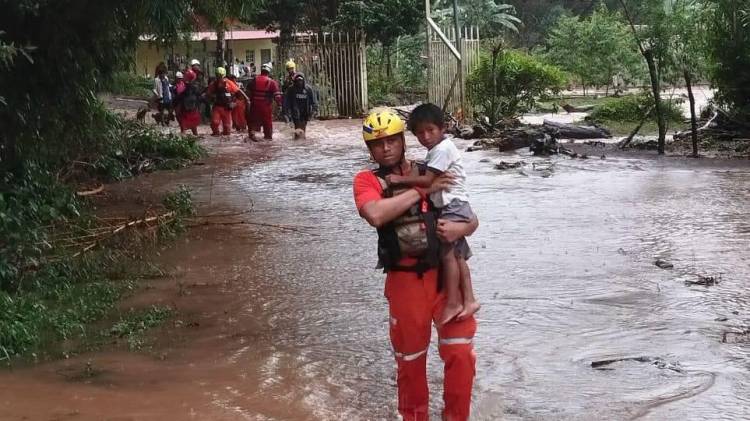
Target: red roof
x=235, y=35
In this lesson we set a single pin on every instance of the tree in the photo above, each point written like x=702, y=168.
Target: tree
x=492, y=18
x=690, y=61
x=594, y=48
x=729, y=50
x=651, y=29
x=382, y=21
x=508, y=83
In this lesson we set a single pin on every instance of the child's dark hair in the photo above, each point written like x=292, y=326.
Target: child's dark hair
x=426, y=113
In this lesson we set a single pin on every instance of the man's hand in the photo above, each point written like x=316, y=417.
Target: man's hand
x=442, y=182
x=450, y=231
x=392, y=179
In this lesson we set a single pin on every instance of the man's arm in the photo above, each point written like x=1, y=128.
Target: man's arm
x=380, y=212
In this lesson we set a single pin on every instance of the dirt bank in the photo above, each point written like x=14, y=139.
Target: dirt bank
x=188, y=373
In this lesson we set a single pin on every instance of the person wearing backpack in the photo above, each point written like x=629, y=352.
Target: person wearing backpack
x=222, y=92
x=162, y=95
x=300, y=105
x=187, y=103
x=262, y=91
x=409, y=235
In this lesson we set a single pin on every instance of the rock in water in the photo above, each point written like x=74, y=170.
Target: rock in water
x=663, y=264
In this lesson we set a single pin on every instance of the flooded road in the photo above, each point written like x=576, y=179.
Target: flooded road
x=563, y=266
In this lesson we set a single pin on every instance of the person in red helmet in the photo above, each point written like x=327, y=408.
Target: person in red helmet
x=409, y=236
x=187, y=103
x=263, y=92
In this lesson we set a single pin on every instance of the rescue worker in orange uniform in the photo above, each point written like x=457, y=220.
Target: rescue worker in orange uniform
x=222, y=92
x=262, y=91
x=239, y=121
x=408, y=250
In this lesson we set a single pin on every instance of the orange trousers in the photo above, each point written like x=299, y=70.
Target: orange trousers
x=413, y=304
x=221, y=116
x=238, y=115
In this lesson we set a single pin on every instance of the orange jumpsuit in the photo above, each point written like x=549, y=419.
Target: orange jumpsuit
x=414, y=304
x=238, y=114
x=221, y=114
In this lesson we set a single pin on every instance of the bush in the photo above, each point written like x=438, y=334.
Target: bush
x=630, y=108
x=508, y=83
x=128, y=84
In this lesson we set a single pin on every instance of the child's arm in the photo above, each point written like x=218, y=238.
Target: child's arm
x=423, y=181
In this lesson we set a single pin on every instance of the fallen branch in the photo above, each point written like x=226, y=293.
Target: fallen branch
x=90, y=192
x=112, y=233
x=625, y=142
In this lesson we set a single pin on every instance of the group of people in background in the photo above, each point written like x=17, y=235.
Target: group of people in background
x=239, y=100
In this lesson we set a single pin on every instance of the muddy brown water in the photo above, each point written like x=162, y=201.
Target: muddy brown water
x=289, y=322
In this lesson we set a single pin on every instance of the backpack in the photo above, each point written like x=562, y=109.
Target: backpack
x=190, y=99
x=413, y=234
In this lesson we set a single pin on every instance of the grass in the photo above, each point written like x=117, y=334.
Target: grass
x=129, y=84
x=48, y=310
x=132, y=326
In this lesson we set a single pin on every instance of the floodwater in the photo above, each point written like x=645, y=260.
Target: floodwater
x=563, y=266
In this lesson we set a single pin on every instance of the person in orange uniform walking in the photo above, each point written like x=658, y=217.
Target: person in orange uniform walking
x=408, y=250
x=263, y=91
x=239, y=121
x=222, y=91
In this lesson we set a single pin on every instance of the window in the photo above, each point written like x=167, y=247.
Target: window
x=265, y=55
x=249, y=56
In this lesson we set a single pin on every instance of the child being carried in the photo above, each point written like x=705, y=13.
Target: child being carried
x=427, y=123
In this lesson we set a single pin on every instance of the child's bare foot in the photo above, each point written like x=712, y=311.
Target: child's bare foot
x=470, y=307
x=450, y=311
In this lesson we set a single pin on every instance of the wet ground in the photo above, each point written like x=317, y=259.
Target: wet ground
x=287, y=320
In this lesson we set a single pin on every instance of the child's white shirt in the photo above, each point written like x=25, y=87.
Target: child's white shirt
x=446, y=158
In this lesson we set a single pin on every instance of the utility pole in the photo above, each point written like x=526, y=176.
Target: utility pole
x=459, y=59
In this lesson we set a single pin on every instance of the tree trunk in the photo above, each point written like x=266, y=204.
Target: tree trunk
x=572, y=131
x=220, y=45
x=286, y=37
x=693, y=119
x=656, y=91
x=387, y=52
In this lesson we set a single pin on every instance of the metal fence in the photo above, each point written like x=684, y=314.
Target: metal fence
x=335, y=64
x=442, y=68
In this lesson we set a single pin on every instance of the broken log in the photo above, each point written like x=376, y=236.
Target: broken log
x=572, y=131
x=573, y=109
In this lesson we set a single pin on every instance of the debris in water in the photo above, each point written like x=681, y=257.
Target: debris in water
x=502, y=165
x=658, y=362
x=663, y=264
x=736, y=337
x=706, y=281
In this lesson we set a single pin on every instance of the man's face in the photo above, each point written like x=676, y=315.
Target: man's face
x=290, y=70
x=428, y=134
x=387, y=151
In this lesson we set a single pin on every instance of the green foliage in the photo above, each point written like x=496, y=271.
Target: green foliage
x=729, y=48
x=407, y=82
x=595, y=48
x=128, y=84
x=381, y=20
x=133, y=325
x=508, y=83
x=181, y=203
x=630, y=108
x=56, y=303
x=30, y=203
x=129, y=147
x=492, y=18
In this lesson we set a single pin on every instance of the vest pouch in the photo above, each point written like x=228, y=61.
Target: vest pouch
x=412, y=236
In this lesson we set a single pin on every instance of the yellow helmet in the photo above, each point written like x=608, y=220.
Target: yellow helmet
x=221, y=72
x=382, y=123
x=290, y=64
